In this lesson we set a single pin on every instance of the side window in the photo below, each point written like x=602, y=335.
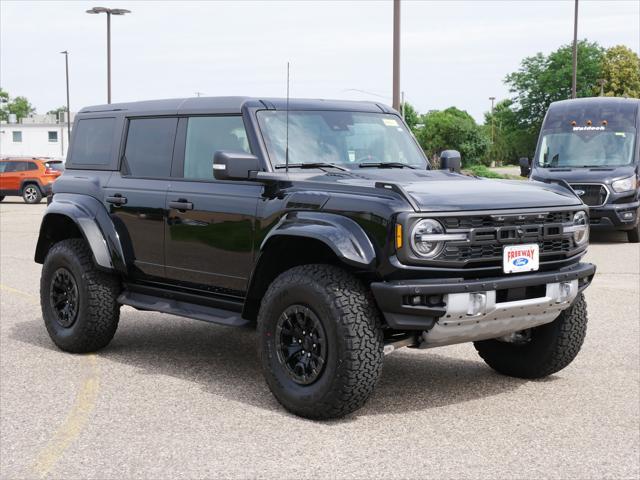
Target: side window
x=205, y=136
x=3, y=166
x=21, y=166
x=10, y=167
x=93, y=141
x=149, y=147
x=31, y=166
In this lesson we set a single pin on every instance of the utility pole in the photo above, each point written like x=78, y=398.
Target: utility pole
x=402, y=106
x=109, y=12
x=493, y=122
x=66, y=65
x=396, y=55
x=575, y=52
x=602, y=82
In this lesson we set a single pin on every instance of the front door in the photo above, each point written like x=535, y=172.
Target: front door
x=136, y=196
x=210, y=223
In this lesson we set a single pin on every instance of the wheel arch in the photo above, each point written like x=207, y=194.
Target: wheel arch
x=81, y=216
x=301, y=238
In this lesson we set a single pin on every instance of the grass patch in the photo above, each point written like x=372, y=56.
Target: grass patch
x=484, y=171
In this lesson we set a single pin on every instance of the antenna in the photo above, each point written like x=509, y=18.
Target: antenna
x=286, y=151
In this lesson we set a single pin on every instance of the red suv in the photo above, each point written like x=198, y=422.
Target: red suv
x=29, y=178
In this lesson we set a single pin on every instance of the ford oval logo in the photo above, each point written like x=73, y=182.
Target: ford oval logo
x=580, y=192
x=520, y=262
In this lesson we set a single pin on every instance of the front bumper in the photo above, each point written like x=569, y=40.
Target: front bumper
x=458, y=310
x=616, y=216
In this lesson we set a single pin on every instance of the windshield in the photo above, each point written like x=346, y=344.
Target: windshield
x=347, y=139
x=586, y=149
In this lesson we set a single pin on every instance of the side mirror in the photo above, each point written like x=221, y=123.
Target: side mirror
x=450, y=160
x=525, y=167
x=234, y=165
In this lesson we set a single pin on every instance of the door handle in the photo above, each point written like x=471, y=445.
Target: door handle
x=181, y=205
x=117, y=199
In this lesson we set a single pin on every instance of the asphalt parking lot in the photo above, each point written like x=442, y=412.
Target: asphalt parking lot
x=176, y=398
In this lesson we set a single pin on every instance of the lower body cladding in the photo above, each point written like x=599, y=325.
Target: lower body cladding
x=457, y=311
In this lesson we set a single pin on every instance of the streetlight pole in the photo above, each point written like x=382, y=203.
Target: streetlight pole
x=66, y=66
x=396, y=55
x=575, y=51
x=109, y=12
x=493, y=129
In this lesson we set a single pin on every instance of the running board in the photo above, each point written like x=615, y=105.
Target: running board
x=141, y=301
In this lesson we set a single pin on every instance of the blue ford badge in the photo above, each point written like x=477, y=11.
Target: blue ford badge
x=520, y=262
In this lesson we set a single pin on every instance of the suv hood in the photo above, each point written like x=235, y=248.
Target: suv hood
x=436, y=190
x=584, y=174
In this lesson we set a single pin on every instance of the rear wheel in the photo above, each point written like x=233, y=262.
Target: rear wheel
x=78, y=301
x=540, y=351
x=31, y=193
x=320, y=341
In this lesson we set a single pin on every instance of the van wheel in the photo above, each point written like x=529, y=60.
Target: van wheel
x=78, y=301
x=31, y=194
x=634, y=235
x=320, y=341
x=540, y=351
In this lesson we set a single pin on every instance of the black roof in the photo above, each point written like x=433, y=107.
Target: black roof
x=611, y=111
x=196, y=105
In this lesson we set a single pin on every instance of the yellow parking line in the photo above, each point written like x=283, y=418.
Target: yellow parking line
x=31, y=297
x=70, y=430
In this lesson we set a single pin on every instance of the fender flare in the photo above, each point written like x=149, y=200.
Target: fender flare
x=95, y=224
x=341, y=234
x=31, y=180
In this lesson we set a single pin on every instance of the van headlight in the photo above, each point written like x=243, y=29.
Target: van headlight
x=580, y=228
x=428, y=238
x=625, y=184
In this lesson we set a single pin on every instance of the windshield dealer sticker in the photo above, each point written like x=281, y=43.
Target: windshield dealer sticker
x=390, y=122
x=521, y=258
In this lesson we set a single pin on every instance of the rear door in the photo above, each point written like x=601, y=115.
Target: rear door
x=136, y=195
x=210, y=223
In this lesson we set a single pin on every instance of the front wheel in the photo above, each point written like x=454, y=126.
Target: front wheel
x=31, y=194
x=540, y=351
x=320, y=341
x=79, y=302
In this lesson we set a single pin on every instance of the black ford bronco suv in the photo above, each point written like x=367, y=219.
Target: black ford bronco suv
x=320, y=222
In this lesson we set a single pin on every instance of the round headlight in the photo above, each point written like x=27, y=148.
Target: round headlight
x=581, y=228
x=421, y=243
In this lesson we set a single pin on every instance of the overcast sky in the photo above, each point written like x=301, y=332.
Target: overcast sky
x=453, y=52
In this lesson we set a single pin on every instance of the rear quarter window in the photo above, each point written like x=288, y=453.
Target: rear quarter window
x=93, y=142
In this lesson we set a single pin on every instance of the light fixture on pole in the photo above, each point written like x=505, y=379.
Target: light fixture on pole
x=109, y=12
x=68, y=119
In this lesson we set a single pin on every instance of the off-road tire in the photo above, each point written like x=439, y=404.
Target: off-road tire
x=98, y=311
x=552, y=347
x=351, y=322
x=634, y=235
x=31, y=194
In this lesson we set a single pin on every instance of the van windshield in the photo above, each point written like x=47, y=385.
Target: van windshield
x=586, y=149
x=346, y=139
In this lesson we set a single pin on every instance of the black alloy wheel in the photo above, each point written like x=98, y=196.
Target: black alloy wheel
x=301, y=344
x=63, y=296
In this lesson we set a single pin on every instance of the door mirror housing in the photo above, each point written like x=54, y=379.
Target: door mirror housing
x=525, y=167
x=234, y=165
x=451, y=160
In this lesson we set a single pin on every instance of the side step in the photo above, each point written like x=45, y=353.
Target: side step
x=182, y=309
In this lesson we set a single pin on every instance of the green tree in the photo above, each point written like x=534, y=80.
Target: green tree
x=543, y=79
x=18, y=105
x=512, y=141
x=621, y=73
x=453, y=129
x=411, y=116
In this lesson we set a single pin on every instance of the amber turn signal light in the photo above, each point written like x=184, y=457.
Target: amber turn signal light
x=398, y=236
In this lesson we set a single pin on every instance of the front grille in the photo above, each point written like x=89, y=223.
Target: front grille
x=593, y=195
x=490, y=233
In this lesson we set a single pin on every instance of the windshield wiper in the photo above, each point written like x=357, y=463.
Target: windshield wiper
x=385, y=165
x=313, y=165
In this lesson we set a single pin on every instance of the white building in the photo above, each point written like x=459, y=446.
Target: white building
x=35, y=136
